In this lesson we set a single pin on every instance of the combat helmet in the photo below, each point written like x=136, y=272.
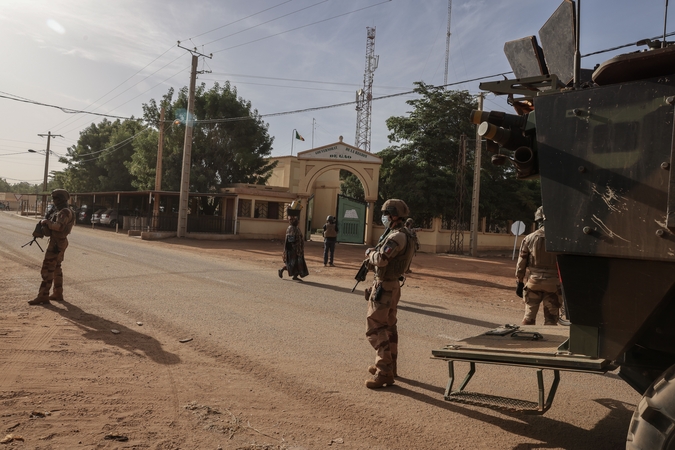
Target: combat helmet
x=539, y=214
x=330, y=219
x=60, y=197
x=396, y=207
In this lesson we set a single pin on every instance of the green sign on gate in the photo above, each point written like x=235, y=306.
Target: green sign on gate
x=351, y=218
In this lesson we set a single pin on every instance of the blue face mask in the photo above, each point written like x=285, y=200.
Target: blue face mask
x=386, y=220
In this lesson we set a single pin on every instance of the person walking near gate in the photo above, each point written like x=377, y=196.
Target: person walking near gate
x=294, y=248
x=57, y=227
x=330, y=232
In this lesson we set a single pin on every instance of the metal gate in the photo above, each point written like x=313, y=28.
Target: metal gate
x=351, y=219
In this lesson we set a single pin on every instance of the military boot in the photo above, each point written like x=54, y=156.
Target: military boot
x=550, y=319
x=373, y=370
x=527, y=322
x=56, y=298
x=379, y=381
x=39, y=301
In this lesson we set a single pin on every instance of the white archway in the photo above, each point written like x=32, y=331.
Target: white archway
x=309, y=166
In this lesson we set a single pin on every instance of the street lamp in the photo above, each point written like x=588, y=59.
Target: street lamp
x=44, y=185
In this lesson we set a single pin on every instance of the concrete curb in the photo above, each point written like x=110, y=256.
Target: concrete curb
x=156, y=235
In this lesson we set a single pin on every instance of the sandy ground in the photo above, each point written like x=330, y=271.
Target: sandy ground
x=65, y=384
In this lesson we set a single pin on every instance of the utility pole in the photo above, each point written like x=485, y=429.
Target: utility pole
x=44, y=185
x=475, y=196
x=457, y=224
x=158, y=170
x=187, y=146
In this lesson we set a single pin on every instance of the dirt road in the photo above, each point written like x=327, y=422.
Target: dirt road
x=185, y=344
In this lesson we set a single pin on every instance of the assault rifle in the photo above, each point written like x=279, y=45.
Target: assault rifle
x=361, y=274
x=37, y=233
x=363, y=270
x=41, y=231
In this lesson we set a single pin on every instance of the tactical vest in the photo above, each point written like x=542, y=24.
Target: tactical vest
x=330, y=231
x=69, y=225
x=399, y=263
x=540, y=262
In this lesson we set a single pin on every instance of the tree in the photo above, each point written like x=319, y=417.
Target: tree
x=22, y=187
x=421, y=168
x=5, y=186
x=97, y=162
x=230, y=142
x=351, y=186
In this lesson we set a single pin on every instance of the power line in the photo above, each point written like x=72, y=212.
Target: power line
x=9, y=154
x=62, y=108
x=20, y=181
x=112, y=148
x=265, y=23
x=238, y=20
x=624, y=46
x=300, y=80
x=140, y=81
x=280, y=86
x=301, y=27
x=337, y=105
x=122, y=83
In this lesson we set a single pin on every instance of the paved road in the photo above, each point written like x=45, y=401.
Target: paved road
x=307, y=341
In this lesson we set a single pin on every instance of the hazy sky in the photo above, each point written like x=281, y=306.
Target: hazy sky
x=281, y=55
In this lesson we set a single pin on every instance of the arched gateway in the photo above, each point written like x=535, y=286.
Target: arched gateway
x=315, y=174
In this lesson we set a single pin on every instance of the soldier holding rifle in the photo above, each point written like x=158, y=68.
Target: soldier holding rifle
x=389, y=260
x=57, y=227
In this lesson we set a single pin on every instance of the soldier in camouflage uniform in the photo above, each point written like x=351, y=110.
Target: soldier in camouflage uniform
x=389, y=260
x=543, y=285
x=57, y=227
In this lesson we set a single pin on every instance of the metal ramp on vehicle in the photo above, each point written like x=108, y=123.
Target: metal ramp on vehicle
x=543, y=349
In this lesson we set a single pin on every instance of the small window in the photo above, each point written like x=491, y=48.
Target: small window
x=260, y=210
x=244, y=208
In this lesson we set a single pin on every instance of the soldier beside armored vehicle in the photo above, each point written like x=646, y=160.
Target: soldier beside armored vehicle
x=604, y=152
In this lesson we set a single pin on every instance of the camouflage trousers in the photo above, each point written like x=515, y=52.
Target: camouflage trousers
x=51, y=268
x=381, y=330
x=534, y=298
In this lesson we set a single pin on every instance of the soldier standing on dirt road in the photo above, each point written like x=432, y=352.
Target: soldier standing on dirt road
x=58, y=228
x=543, y=284
x=389, y=260
x=330, y=232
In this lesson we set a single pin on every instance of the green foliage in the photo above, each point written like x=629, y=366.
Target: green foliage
x=97, y=162
x=5, y=186
x=422, y=167
x=122, y=155
x=503, y=197
x=223, y=152
x=22, y=187
x=351, y=186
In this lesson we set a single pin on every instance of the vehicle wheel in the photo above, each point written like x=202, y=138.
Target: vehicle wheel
x=112, y=223
x=653, y=424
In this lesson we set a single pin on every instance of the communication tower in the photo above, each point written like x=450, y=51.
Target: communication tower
x=364, y=97
x=447, y=44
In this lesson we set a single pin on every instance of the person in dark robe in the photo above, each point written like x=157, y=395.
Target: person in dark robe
x=294, y=253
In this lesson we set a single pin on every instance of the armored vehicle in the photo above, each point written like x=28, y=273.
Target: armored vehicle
x=602, y=143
